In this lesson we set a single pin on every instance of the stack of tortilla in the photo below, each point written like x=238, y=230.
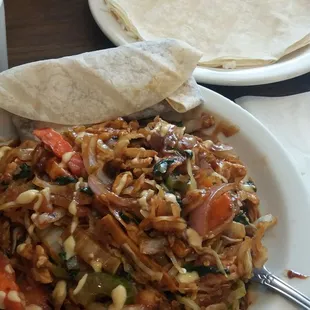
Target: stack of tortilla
x=152, y=77
x=242, y=33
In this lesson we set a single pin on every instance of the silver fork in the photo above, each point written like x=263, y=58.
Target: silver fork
x=265, y=277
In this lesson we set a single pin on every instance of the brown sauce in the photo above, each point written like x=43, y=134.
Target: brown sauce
x=294, y=274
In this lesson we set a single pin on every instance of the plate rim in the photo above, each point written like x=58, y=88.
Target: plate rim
x=229, y=110
x=243, y=77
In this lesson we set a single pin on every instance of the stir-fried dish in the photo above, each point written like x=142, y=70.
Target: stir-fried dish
x=127, y=215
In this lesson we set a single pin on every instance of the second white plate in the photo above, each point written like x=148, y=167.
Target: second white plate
x=293, y=65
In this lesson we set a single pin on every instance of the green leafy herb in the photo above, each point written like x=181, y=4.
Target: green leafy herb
x=65, y=180
x=87, y=190
x=162, y=166
x=251, y=183
x=72, y=266
x=242, y=218
x=203, y=270
x=4, y=185
x=186, y=153
x=128, y=219
x=189, y=154
x=73, y=273
x=25, y=172
x=179, y=200
x=179, y=124
x=62, y=255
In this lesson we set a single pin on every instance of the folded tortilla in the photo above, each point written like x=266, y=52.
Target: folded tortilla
x=229, y=33
x=97, y=86
x=153, y=77
x=8, y=131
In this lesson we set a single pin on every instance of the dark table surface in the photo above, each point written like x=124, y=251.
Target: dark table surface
x=42, y=29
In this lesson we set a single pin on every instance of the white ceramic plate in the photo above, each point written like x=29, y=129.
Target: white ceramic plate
x=293, y=65
x=281, y=191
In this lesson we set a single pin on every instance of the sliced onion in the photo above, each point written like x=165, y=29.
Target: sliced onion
x=174, y=261
x=235, y=230
x=153, y=246
x=20, y=153
x=89, y=250
x=63, y=190
x=194, y=199
x=43, y=220
x=154, y=275
x=198, y=217
x=51, y=238
x=136, y=307
x=63, y=201
x=244, y=259
x=23, y=154
x=220, y=306
x=193, y=183
x=220, y=147
x=96, y=185
x=89, y=151
x=188, y=303
x=169, y=223
x=108, y=197
x=104, y=178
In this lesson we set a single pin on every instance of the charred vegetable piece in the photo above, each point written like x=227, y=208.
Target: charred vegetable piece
x=204, y=270
x=65, y=180
x=128, y=218
x=62, y=256
x=242, y=218
x=162, y=166
x=186, y=153
x=25, y=172
x=99, y=285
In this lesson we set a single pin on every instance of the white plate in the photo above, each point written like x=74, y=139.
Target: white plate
x=281, y=191
x=293, y=65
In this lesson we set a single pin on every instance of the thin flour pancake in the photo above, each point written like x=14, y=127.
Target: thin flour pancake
x=102, y=85
x=248, y=32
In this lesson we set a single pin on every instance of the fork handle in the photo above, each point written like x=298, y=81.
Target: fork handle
x=282, y=287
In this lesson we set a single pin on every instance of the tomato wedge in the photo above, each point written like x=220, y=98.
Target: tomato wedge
x=76, y=165
x=54, y=140
x=9, y=290
x=220, y=211
x=60, y=146
x=209, y=216
x=35, y=294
